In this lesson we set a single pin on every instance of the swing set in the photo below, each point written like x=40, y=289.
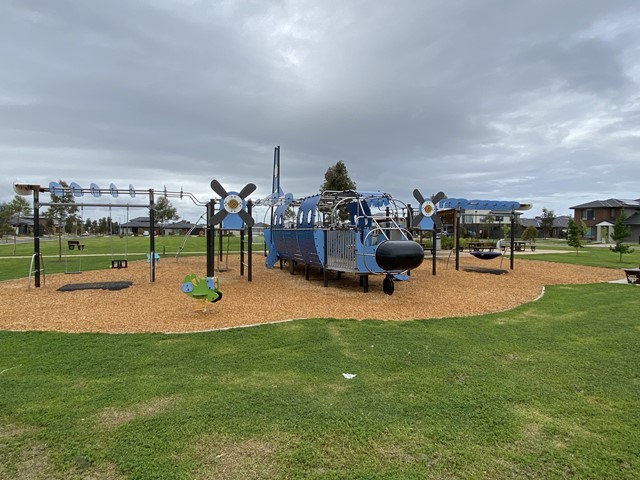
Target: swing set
x=118, y=262
x=37, y=266
x=77, y=248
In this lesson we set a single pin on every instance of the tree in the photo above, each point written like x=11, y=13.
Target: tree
x=620, y=233
x=164, y=212
x=20, y=207
x=337, y=178
x=103, y=226
x=574, y=235
x=530, y=234
x=5, y=218
x=63, y=212
x=546, y=222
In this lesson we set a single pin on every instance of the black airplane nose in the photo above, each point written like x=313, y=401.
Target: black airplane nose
x=399, y=255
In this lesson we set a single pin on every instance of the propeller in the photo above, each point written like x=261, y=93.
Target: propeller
x=232, y=203
x=428, y=208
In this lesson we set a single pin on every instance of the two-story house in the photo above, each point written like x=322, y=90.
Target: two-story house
x=600, y=215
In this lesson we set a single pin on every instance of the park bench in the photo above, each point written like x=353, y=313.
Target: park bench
x=75, y=244
x=633, y=275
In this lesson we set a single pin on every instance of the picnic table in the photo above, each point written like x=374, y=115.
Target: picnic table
x=75, y=244
x=481, y=246
x=519, y=246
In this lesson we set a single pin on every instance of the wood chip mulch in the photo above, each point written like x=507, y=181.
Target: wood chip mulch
x=274, y=295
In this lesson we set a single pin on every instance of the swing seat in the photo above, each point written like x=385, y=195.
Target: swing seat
x=119, y=263
x=482, y=255
x=156, y=256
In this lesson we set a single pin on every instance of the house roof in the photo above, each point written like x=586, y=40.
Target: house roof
x=528, y=222
x=22, y=220
x=139, y=222
x=562, y=221
x=610, y=203
x=633, y=219
x=558, y=222
x=180, y=224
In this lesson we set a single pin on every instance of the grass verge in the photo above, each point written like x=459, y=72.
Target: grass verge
x=548, y=390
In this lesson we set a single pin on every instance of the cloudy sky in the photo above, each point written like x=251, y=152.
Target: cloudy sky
x=534, y=101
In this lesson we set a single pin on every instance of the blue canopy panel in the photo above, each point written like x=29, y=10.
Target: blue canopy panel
x=278, y=220
x=453, y=203
x=306, y=233
x=375, y=199
x=307, y=212
x=275, y=233
x=463, y=203
x=501, y=205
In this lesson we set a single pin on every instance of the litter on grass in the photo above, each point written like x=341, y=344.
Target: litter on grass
x=349, y=376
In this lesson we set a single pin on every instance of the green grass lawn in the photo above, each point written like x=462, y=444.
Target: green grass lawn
x=591, y=256
x=550, y=390
x=99, y=251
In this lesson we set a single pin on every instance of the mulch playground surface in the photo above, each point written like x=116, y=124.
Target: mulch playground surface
x=275, y=295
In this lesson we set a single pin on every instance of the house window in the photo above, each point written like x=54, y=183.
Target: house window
x=613, y=213
x=587, y=214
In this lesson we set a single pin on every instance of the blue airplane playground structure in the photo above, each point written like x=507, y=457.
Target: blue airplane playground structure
x=342, y=231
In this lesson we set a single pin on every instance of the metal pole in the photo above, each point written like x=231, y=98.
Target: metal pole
x=250, y=240
x=513, y=235
x=152, y=239
x=220, y=239
x=434, y=249
x=242, y=252
x=457, y=233
x=211, y=243
x=36, y=234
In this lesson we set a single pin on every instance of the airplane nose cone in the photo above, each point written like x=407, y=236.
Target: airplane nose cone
x=399, y=255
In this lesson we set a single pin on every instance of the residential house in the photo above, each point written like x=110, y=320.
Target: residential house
x=136, y=226
x=183, y=227
x=558, y=230
x=600, y=215
x=140, y=225
x=23, y=224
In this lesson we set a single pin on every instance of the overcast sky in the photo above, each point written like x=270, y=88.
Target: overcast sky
x=533, y=101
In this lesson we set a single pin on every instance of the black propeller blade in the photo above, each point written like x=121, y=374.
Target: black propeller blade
x=218, y=217
x=437, y=197
x=248, y=189
x=219, y=189
x=246, y=217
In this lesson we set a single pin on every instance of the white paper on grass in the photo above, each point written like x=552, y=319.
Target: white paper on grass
x=349, y=376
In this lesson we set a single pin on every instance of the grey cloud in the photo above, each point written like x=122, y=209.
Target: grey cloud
x=477, y=97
